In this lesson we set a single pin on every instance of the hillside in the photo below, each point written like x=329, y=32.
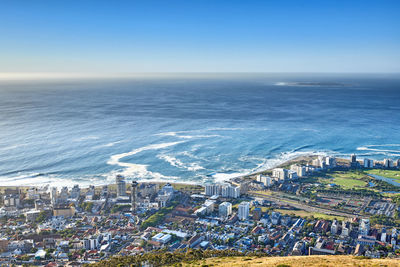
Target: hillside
x=228, y=258
x=294, y=261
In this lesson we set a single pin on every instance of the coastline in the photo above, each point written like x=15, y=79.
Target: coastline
x=302, y=160
x=298, y=159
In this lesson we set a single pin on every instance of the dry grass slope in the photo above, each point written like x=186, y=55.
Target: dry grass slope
x=293, y=261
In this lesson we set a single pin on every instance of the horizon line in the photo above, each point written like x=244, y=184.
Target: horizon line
x=10, y=76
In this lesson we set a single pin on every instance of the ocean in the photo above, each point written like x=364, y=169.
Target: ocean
x=189, y=128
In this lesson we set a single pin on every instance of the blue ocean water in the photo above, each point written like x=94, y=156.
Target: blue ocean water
x=195, y=128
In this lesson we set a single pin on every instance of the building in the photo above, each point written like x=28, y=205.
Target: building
x=366, y=240
x=31, y=216
x=292, y=175
x=364, y=227
x=90, y=244
x=320, y=251
x=334, y=227
x=162, y=238
x=104, y=192
x=39, y=204
x=209, y=205
x=133, y=196
x=53, y=196
x=213, y=189
x=201, y=211
x=230, y=191
x=265, y=180
x=330, y=162
x=121, y=186
x=75, y=192
x=280, y=174
x=195, y=240
x=90, y=193
x=63, y=196
x=300, y=170
x=388, y=163
x=368, y=163
x=346, y=229
x=3, y=245
x=353, y=158
x=165, y=194
x=275, y=217
x=224, y=190
x=11, y=201
x=147, y=190
x=257, y=214
x=64, y=211
x=243, y=210
x=298, y=248
x=225, y=209
x=383, y=235
x=353, y=161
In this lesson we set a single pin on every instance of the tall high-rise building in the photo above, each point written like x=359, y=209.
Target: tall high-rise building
x=330, y=162
x=244, y=209
x=368, y=163
x=334, y=227
x=75, y=192
x=121, y=186
x=353, y=161
x=364, y=227
x=280, y=174
x=225, y=190
x=133, y=196
x=383, y=235
x=265, y=180
x=53, y=196
x=346, y=228
x=63, y=196
x=300, y=170
x=225, y=209
x=388, y=163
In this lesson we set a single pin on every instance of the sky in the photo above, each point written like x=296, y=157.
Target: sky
x=199, y=36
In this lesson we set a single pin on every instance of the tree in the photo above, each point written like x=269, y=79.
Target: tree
x=41, y=217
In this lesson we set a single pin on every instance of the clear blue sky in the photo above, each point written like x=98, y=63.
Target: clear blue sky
x=200, y=36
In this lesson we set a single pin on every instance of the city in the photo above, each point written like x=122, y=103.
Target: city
x=306, y=206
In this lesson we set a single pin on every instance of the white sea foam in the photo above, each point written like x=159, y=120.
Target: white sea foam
x=139, y=170
x=109, y=144
x=383, y=145
x=173, y=161
x=199, y=136
x=179, y=135
x=35, y=179
x=370, y=148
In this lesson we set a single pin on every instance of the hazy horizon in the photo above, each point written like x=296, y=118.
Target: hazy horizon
x=61, y=76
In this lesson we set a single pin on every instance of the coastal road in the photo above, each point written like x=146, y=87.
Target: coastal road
x=301, y=206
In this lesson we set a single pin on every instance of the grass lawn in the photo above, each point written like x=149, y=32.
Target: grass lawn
x=346, y=180
x=393, y=174
x=266, y=193
x=303, y=213
x=348, y=183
